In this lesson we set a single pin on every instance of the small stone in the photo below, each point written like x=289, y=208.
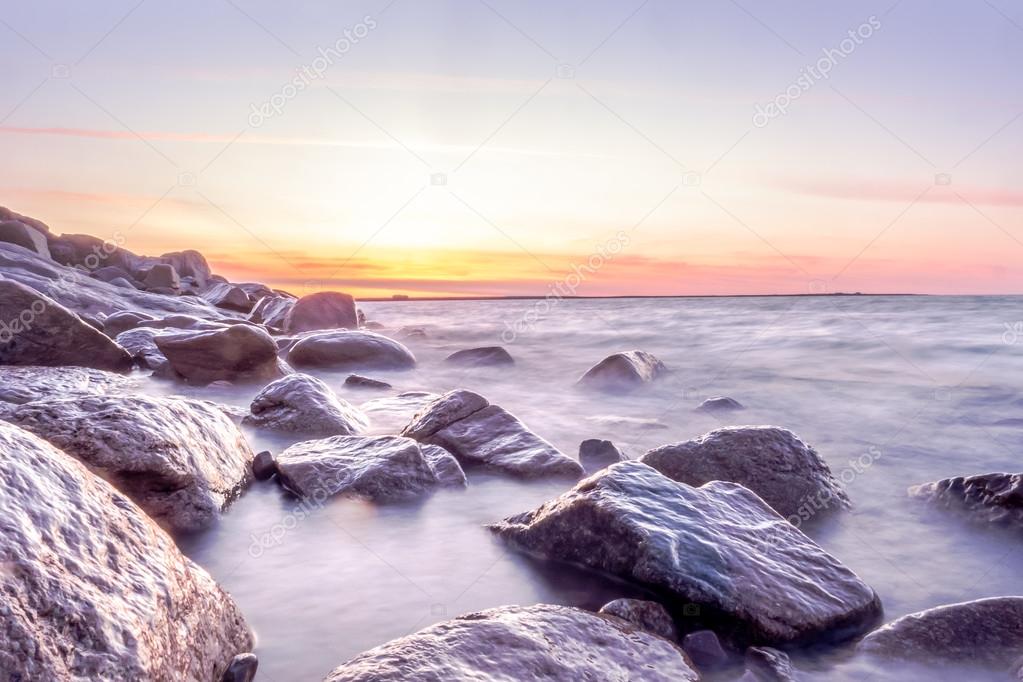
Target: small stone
x=264, y=466
x=720, y=404
x=358, y=381
x=476, y=357
x=595, y=454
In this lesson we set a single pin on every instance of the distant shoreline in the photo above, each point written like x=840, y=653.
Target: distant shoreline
x=642, y=296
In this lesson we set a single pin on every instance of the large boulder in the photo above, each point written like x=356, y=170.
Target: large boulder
x=229, y=296
x=477, y=357
x=350, y=349
x=304, y=405
x=93, y=589
x=183, y=461
x=481, y=434
x=236, y=353
x=987, y=498
x=754, y=577
x=26, y=236
x=623, y=371
x=19, y=385
x=322, y=310
x=774, y=463
x=523, y=643
x=36, y=330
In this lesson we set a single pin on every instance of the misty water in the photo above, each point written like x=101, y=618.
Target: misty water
x=917, y=388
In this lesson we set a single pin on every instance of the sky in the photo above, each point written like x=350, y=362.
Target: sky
x=499, y=147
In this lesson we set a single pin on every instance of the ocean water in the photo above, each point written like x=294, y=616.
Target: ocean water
x=892, y=391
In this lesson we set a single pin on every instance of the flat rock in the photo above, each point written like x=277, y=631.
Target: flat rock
x=648, y=616
x=357, y=381
x=18, y=233
x=237, y=353
x=183, y=461
x=720, y=404
x=93, y=588
x=322, y=310
x=304, y=405
x=995, y=499
x=522, y=643
x=350, y=349
x=755, y=578
x=21, y=385
x=476, y=357
x=595, y=454
x=478, y=433
x=623, y=372
x=774, y=463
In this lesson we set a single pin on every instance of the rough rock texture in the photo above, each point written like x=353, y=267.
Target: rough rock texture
x=479, y=433
x=238, y=353
x=384, y=468
x=985, y=632
x=36, y=330
x=987, y=498
x=476, y=357
x=139, y=342
x=323, y=310
x=272, y=310
x=183, y=461
x=764, y=664
x=755, y=577
x=350, y=349
x=720, y=404
x=20, y=234
x=357, y=381
x=541, y=642
x=92, y=588
x=228, y=296
x=623, y=371
x=774, y=463
x=595, y=454
x=445, y=467
x=301, y=404
x=645, y=615
x=21, y=385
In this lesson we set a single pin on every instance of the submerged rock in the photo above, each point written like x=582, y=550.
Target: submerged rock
x=264, y=466
x=476, y=432
x=21, y=385
x=302, y=404
x=755, y=577
x=357, y=381
x=772, y=462
x=476, y=357
x=93, y=589
x=238, y=353
x=183, y=461
x=720, y=404
x=623, y=371
x=988, y=498
x=646, y=615
x=522, y=643
x=322, y=310
x=350, y=349
x=595, y=454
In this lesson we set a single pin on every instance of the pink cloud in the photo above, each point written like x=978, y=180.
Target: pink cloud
x=904, y=192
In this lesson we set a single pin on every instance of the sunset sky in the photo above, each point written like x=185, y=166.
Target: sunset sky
x=490, y=147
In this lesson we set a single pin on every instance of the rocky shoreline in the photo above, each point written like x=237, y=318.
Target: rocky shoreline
x=99, y=482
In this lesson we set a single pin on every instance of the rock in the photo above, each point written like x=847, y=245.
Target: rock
x=986, y=632
x=753, y=576
x=357, y=381
x=109, y=273
x=18, y=233
x=595, y=454
x=648, y=616
x=476, y=432
x=93, y=589
x=123, y=283
x=8, y=214
x=120, y=322
x=140, y=344
x=88, y=253
x=238, y=353
x=720, y=404
x=183, y=461
x=475, y=357
x=301, y=404
x=445, y=467
x=383, y=468
x=355, y=349
x=180, y=321
x=162, y=276
x=264, y=466
x=986, y=498
x=774, y=463
x=21, y=385
x=323, y=310
x=189, y=264
x=522, y=643
x=623, y=371
x=272, y=310
x=764, y=664
x=228, y=296
x=704, y=649
x=242, y=668
x=36, y=330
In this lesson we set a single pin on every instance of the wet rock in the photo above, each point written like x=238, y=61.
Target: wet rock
x=120, y=322
x=183, y=461
x=476, y=432
x=357, y=381
x=646, y=615
x=772, y=462
x=228, y=296
x=93, y=589
x=140, y=344
x=21, y=385
x=764, y=664
x=755, y=577
x=304, y=405
x=475, y=357
x=445, y=467
x=704, y=649
x=720, y=404
x=162, y=276
x=272, y=310
x=354, y=349
x=623, y=372
x=242, y=668
x=323, y=310
x=18, y=233
x=238, y=353
x=522, y=643
x=36, y=330
x=264, y=466
x=986, y=498
x=595, y=454
x=383, y=468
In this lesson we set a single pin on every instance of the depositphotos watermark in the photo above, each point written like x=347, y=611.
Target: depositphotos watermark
x=311, y=72
x=813, y=504
x=309, y=503
x=812, y=74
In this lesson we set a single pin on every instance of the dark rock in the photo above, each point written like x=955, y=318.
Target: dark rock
x=445, y=467
x=720, y=404
x=646, y=615
x=704, y=649
x=350, y=349
x=475, y=357
x=264, y=466
x=357, y=381
x=238, y=353
x=228, y=296
x=755, y=577
x=18, y=233
x=522, y=643
x=772, y=462
x=162, y=276
x=623, y=372
x=323, y=310
x=595, y=454
x=764, y=664
x=986, y=498
x=304, y=405
x=242, y=669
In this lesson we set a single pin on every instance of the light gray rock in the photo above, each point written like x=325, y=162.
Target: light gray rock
x=322, y=310
x=522, y=643
x=140, y=344
x=719, y=547
x=21, y=385
x=342, y=349
x=648, y=616
x=238, y=354
x=304, y=405
x=18, y=233
x=995, y=499
x=445, y=467
x=595, y=454
x=720, y=404
x=774, y=463
x=478, y=433
x=623, y=372
x=228, y=296
x=478, y=357
x=93, y=589
x=183, y=461
x=162, y=276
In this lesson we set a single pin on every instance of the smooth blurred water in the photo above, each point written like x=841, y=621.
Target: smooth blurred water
x=920, y=382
